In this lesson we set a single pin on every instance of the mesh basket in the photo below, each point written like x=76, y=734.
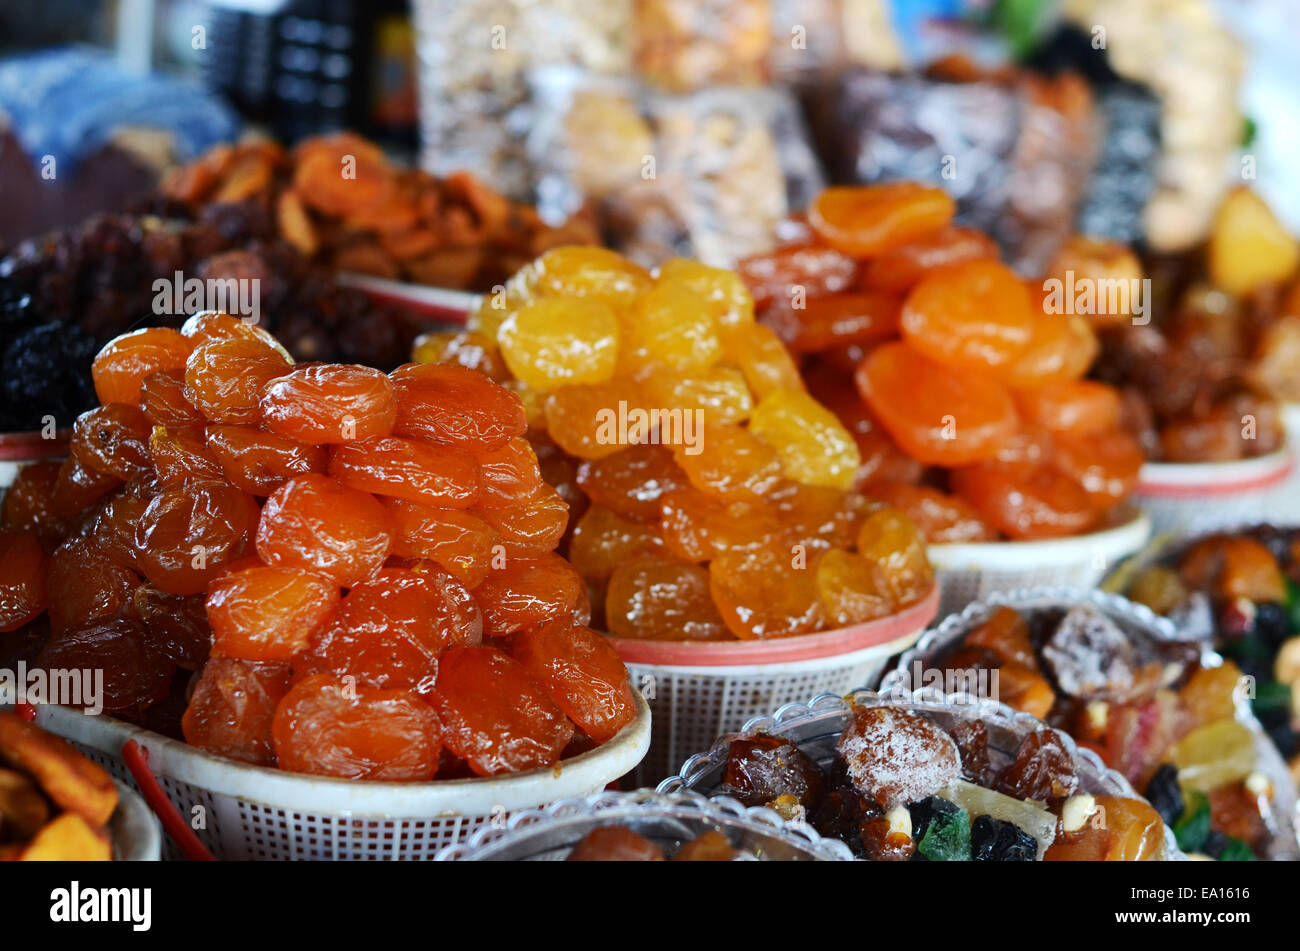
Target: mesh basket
x=549, y=834
x=1189, y=498
x=134, y=829
x=973, y=571
x=815, y=728
x=699, y=690
x=1283, y=816
x=248, y=812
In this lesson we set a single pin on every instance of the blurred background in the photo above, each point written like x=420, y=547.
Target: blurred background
x=558, y=102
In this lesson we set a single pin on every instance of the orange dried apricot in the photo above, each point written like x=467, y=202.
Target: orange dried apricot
x=655, y=598
x=938, y=416
x=870, y=219
x=231, y=709
x=495, y=715
x=268, y=612
x=404, y=468
x=975, y=316
x=312, y=522
x=330, y=403
x=326, y=727
x=122, y=365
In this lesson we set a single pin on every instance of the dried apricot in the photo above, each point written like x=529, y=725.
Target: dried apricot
x=231, y=709
x=325, y=727
x=527, y=592
x=449, y=405
x=938, y=416
x=975, y=316
x=23, y=591
x=495, y=714
x=867, y=220
x=654, y=598
x=268, y=612
x=330, y=403
x=260, y=462
x=122, y=365
x=404, y=468
x=225, y=379
x=311, y=522
x=581, y=672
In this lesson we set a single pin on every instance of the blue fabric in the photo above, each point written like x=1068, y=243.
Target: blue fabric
x=69, y=102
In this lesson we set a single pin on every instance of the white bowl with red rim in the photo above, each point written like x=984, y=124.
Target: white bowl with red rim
x=18, y=449
x=972, y=571
x=1191, y=497
x=698, y=690
x=435, y=303
x=260, y=813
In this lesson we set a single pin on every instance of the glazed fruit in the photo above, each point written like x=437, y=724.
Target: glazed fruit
x=940, y=417
x=276, y=564
x=495, y=715
x=980, y=366
x=869, y=220
x=714, y=478
x=1145, y=705
x=323, y=726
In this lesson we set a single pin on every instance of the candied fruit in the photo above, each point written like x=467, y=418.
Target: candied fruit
x=655, y=598
x=897, y=757
x=495, y=715
x=268, y=612
x=325, y=727
x=868, y=220
x=550, y=342
x=329, y=403
x=232, y=707
x=313, y=523
x=126, y=361
x=581, y=672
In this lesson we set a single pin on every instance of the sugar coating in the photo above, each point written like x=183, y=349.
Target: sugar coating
x=1090, y=654
x=897, y=757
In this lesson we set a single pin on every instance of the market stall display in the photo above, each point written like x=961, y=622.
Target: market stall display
x=962, y=386
x=339, y=200
x=1239, y=590
x=919, y=776
x=1171, y=718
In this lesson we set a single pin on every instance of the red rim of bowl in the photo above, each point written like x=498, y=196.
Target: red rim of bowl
x=437, y=303
x=1175, y=480
x=18, y=447
x=782, y=650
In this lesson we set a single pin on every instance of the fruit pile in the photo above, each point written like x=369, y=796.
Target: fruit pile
x=1242, y=591
x=64, y=295
x=902, y=787
x=358, y=568
x=54, y=803
x=1202, y=381
x=973, y=416
x=718, y=488
x=338, y=199
x=1149, y=710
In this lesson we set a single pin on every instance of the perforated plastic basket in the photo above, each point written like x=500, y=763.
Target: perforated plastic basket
x=972, y=571
x=698, y=690
x=549, y=834
x=1138, y=621
x=815, y=727
x=1189, y=498
x=248, y=812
